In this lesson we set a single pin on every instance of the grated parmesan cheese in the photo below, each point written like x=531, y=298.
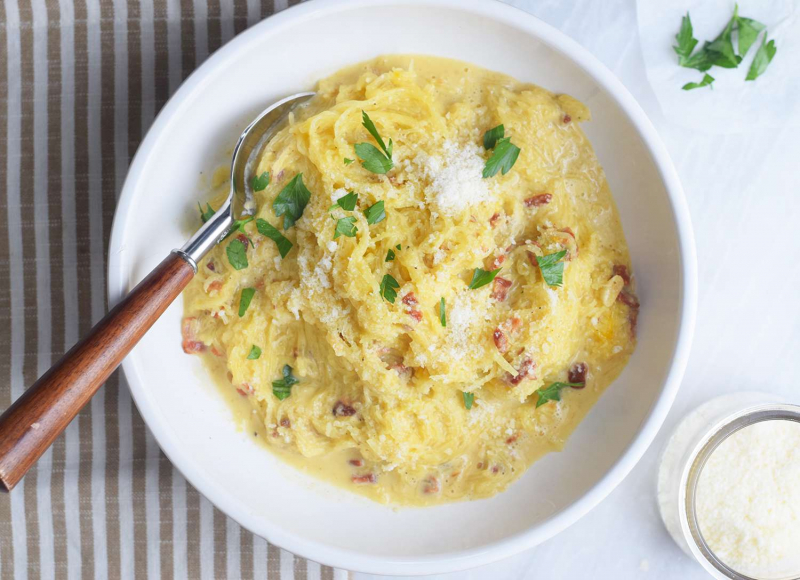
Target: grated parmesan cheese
x=748, y=500
x=455, y=177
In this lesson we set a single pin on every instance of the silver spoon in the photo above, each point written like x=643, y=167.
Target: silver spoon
x=33, y=421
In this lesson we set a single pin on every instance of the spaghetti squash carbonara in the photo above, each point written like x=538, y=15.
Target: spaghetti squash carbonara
x=435, y=287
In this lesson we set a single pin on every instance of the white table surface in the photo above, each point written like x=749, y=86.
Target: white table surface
x=744, y=197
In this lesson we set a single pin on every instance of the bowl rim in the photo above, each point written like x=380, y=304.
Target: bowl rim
x=459, y=559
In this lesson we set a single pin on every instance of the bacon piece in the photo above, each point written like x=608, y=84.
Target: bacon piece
x=511, y=325
x=341, y=409
x=409, y=299
x=362, y=479
x=493, y=219
x=497, y=262
x=500, y=289
x=286, y=423
x=402, y=370
x=500, y=341
x=215, y=286
x=495, y=469
x=538, y=200
x=567, y=119
x=415, y=314
x=210, y=265
x=189, y=332
x=216, y=352
x=577, y=374
x=621, y=270
x=243, y=238
x=632, y=303
x=532, y=259
x=525, y=371
x=512, y=439
x=356, y=463
x=430, y=485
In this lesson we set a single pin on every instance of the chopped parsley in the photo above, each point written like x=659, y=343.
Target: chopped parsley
x=255, y=352
x=346, y=227
x=469, y=398
x=375, y=213
x=374, y=159
x=482, y=278
x=389, y=256
x=389, y=288
x=206, y=214
x=503, y=158
x=237, y=254
x=553, y=392
x=721, y=51
x=346, y=202
x=260, y=182
x=552, y=268
x=763, y=57
x=348, y=161
x=246, y=298
x=283, y=388
x=268, y=230
x=442, y=314
x=292, y=201
x=706, y=82
x=492, y=135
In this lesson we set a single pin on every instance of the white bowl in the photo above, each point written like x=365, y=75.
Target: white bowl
x=288, y=53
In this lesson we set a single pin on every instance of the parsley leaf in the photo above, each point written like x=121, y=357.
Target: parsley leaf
x=442, y=313
x=482, y=278
x=762, y=59
x=238, y=226
x=260, y=182
x=348, y=161
x=469, y=398
x=503, y=158
x=686, y=40
x=237, y=254
x=283, y=388
x=373, y=159
x=346, y=227
x=389, y=256
x=552, y=268
x=291, y=201
x=268, y=230
x=389, y=288
x=375, y=213
x=398, y=247
x=255, y=352
x=370, y=126
x=346, y=202
x=706, y=82
x=492, y=135
x=724, y=54
x=244, y=301
x=206, y=215
x=748, y=30
x=553, y=392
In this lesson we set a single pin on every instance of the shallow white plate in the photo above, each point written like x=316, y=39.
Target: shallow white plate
x=288, y=53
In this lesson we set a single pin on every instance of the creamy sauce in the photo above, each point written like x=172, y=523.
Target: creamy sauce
x=379, y=407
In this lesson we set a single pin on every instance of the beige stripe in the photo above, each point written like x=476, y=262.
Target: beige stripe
x=83, y=280
x=300, y=569
x=6, y=533
x=327, y=573
x=57, y=277
x=273, y=562
x=192, y=532
x=220, y=545
x=246, y=555
x=187, y=37
x=108, y=187
x=29, y=367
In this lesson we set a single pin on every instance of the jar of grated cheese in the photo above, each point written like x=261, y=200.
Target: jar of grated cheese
x=729, y=487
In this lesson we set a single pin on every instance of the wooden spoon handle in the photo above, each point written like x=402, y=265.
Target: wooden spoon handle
x=33, y=422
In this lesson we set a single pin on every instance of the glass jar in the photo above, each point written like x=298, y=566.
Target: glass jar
x=694, y=440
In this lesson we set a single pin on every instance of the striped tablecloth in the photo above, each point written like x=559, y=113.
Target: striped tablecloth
x=81, y=81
